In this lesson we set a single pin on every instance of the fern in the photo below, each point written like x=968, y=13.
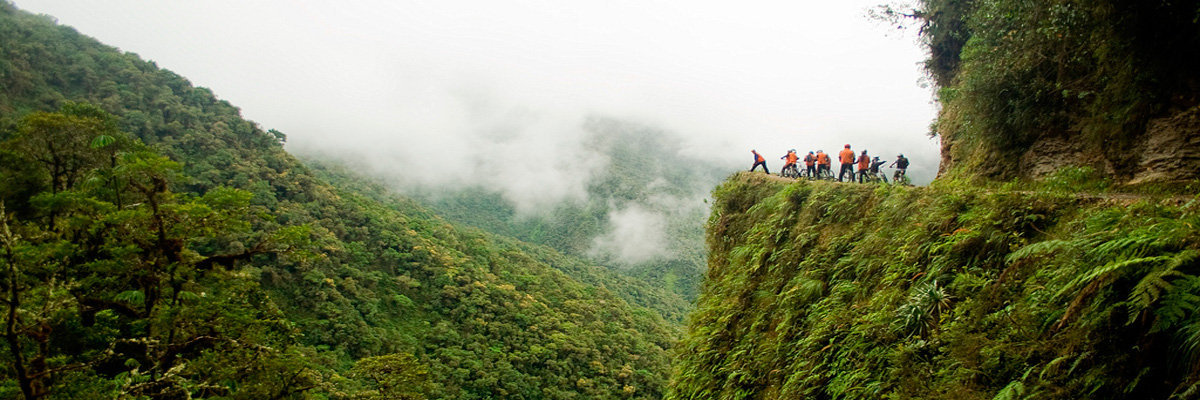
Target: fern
x=1041, y=249
x=1176, y=305
x=1014, y=390
x=1148, y=290
x=1103, y=271
x=134, y=297
x=1154, y=285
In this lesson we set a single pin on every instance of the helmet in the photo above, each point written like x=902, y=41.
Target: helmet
x=900, y=155
x=792, y=151
x=864, y=152
x=847, y=145
x=810, y=152
x=876, y=157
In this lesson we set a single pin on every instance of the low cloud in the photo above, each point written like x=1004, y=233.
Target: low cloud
x=637, y=235
x=534, y=157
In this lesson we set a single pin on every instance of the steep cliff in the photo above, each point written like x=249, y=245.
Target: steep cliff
x=1027, y=87
x=820, y=291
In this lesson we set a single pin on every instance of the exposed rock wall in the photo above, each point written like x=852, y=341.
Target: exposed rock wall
x=1170, y=149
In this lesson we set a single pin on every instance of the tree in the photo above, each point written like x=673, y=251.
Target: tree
x=393, y=376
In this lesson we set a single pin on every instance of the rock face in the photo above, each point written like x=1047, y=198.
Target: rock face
x=1048, y=154
x=1167, y=150
x=1170, y=150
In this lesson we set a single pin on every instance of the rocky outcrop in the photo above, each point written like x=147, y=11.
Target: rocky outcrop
x=1170, y=150
x=1167, y=150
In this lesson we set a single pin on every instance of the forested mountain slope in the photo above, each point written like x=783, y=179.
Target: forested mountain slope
x=1027, y=87
x=157, y=244
x=953, y=291
x=643, y=293
x=642, y=214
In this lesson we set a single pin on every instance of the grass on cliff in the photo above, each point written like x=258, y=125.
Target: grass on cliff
x=819, y=290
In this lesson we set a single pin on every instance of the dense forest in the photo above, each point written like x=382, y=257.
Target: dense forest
x=1027, y=87
x=647, y=190
x=154, y=244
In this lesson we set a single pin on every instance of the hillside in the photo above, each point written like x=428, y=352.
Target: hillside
x=643, y=293
x=952, y=291
x=156, y=244
x=1029, y=87
x=1055, y=257
x=642, y=215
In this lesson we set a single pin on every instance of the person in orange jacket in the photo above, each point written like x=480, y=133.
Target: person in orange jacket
x=790, y=162
x=809, y=161
x=864, y=163
x=846, y=157
x=759, y=160
x=823, y=163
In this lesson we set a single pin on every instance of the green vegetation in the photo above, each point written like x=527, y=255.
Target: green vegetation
x=157, y=245
x=644, y=171
x=1090, y=73
x=633, y=290
x=820, y=290
x=985, y=285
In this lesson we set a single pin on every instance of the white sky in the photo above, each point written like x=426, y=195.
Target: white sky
x=426, y=87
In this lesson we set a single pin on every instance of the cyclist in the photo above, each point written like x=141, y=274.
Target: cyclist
x=809, y=161
x=790, y=158
x=846, y=157
x=875, y=163
x=823, y=163
x=759, y=160
x=864, y=163
x=901, y=165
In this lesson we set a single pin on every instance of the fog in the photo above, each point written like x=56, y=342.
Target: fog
x=458, y=93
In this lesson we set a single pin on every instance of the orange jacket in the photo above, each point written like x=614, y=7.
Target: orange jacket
x=822, y=158
x=791, y=158
x=809, y=160
x=846, y=156
x=864, y=162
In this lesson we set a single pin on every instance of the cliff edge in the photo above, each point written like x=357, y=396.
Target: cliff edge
x=818, y=290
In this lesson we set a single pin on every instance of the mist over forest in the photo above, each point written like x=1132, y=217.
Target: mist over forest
x=622, y=194
x=378, y=200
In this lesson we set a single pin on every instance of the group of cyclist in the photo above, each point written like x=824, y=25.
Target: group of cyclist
x=817, y=166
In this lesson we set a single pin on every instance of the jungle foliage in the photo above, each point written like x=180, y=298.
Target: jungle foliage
x=154, y=244
x=643, y=168
x=952, y=291
x=1010, y=72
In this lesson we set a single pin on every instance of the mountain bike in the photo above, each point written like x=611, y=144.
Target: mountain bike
x=804, y=174
x=790, y=172
x=900, y=177
x=825, y=174
x=874, y=177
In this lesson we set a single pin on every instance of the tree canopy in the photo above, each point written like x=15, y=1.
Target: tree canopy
x=158, y=245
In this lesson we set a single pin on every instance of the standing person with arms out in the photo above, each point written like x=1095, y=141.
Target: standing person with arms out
x=901, y=165
x=790, y=162
x=823, y=163
x=809, y=161
x=875, y=163
x=864, y=163
x=759, y=160
x=846, y=157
